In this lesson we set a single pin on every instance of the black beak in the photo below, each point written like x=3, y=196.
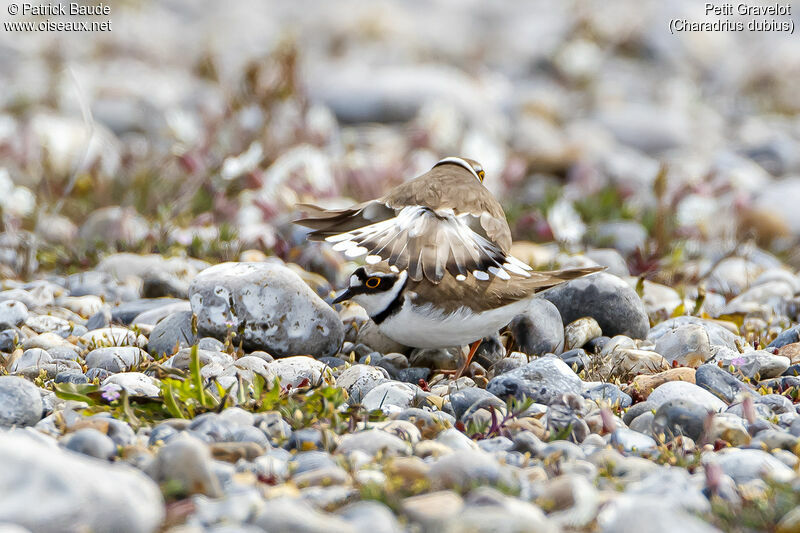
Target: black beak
x=344, y=295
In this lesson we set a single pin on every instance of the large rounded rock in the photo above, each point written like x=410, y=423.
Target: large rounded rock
x=607, y=299
x=539, y=330
x=20, y=402
x=269, y=305
x=47, y=489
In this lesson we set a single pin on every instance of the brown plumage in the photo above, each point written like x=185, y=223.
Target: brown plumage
x=451, y=295
x=442, y=221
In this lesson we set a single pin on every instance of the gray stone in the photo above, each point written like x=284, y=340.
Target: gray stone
x=285, y=515
x=673, y=390
x=174, y=330
x=609, y=393
x=631, y=441
x=543, y=380
x=469, y=399
x=271, y=305
x=370, y=517
x=745, y=465
x=688, y=345
x=757, y=363
x=183, y=358
x=607, y=299
x=153, y=316
x=49, y=490
x=186, y=461
x=20, y=402
x=787, y=336
x=51, y=324
x=674, y=485
x=116, y=359
x=12, y=313
x=720, y=382
x=467, y=468
x=372, y=441
x=358, y=380
x=633, y=514
x=101, y=319
x=71, y=376
x=539, y=330
x=717, y=335
x=295, y=370
x=126, y=312
x=392, y=396
x=31, y=358
x=136, y=383
x=91, y=442
x=486, y=509
x=435, y=358
x=680, y=417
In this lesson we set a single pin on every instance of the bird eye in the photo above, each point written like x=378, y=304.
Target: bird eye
x=373, y=282
x=481, y=173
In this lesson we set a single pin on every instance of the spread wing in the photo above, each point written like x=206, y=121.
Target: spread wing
x=442, y=221
x=423, y=241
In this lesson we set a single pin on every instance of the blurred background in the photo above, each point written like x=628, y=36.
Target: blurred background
x=194, y=127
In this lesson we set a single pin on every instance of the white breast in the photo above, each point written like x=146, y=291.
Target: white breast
x=426, y=327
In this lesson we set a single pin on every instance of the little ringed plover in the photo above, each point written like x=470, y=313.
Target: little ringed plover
x=444, y=221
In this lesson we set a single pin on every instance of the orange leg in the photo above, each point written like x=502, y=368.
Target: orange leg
x=472, y=349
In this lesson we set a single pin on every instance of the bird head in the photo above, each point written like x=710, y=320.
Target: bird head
x=470, y=164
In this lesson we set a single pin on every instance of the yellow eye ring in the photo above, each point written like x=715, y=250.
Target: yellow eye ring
x=481, y=174
x=373, y=282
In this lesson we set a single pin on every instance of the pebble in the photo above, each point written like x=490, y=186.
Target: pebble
x=20, y=402
x=136, y=383
x=745, y=465
x=284, y=514
x=758, y=363
x=580, y=332
x=628, y=514
x=609, y=393
x=31, y=358
x=186, y=461
x=112, y=336
x=720, y=383
x=358, y=380
x=391, y=397
x=543, y=380
x=116, y=359
x=370, y=517
x=292, y=371
x=468, y=399
x=254, y=298
x=465, y=468
x=686, y=345
x=678, y=416
x=718, y=335
x=373, y=441
x=539, y=330
x=91, y=442
x=12, y=313
x=61, y=483
x=642, y=385
x=631, y=441
x=689, y=392
x=608, y=299
x=171, y=332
